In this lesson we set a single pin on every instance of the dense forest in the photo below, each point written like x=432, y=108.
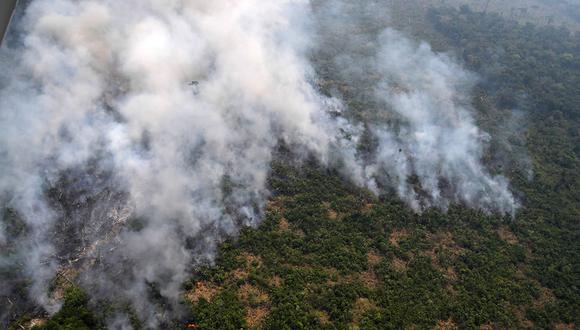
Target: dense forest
x=333, y=256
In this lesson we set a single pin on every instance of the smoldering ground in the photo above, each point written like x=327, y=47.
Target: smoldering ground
x=136, y=135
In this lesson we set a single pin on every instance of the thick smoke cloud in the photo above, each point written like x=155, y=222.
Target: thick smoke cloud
x=143, y=131
x=434, y=136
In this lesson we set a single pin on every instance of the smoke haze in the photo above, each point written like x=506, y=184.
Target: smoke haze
x=136, y=135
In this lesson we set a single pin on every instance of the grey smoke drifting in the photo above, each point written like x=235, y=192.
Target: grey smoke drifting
x=101, y=128
x=436, y=136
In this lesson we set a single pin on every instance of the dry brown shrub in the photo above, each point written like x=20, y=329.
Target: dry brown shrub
x=361, y=306
x=367, y=208
x=450, y=273
x=283, y=225
x=446, y=325
x=444, y=241
x=336, y=278
x=520, y=314
x=250, y=260
x=240, y=274
x=521, y=271
x=486, y=327
x=323, y=317
x=202, y=290
x=332, y=214
x=397, y=235
x=451, y=290
x=252, y=295
x=373, y=258
x=275, y=281
x=277, y=204
x=273, y=206
x=546, y=297
x=299, y=233
x=399, y=265
x=507, y=235
x=370, y=280
x=256, y=316
x=433, y=256
x=564, y=326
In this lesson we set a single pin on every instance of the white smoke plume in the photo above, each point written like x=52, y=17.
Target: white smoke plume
x=434, y=136
x=169, y=111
